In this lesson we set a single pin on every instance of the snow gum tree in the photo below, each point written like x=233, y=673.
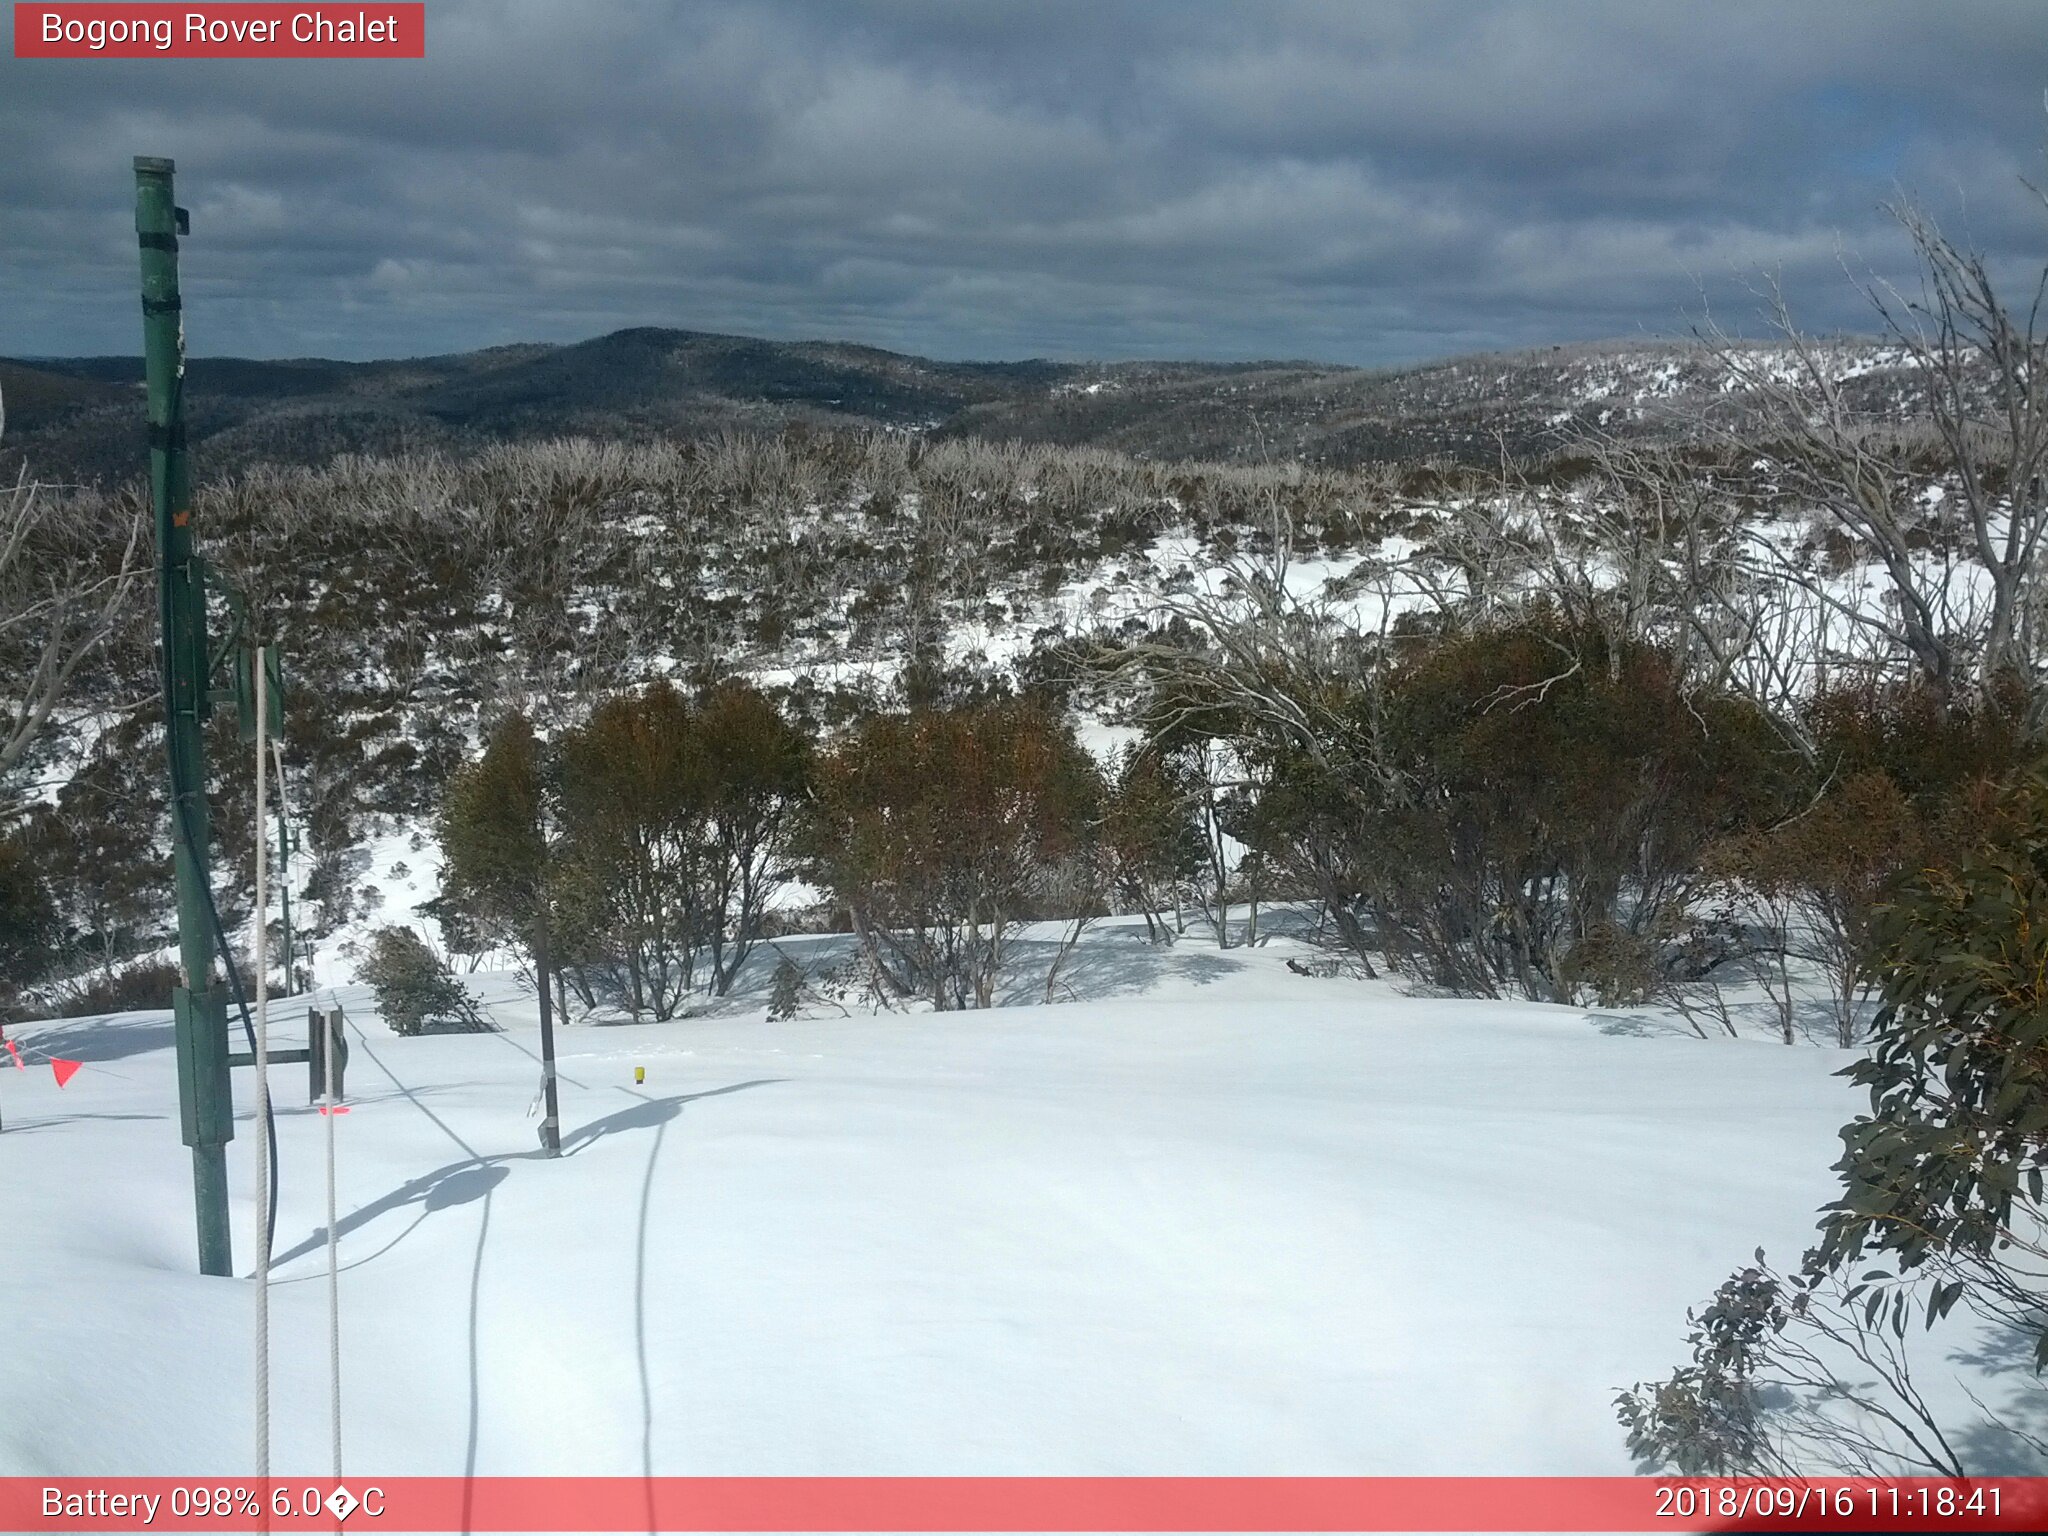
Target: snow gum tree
x=940, y=830
x=631, y=823
x=1944, y=1175
x=496, y=871
x=1941, y=1205
x=753, y=768
x=1149, y=837
x=1518, y=805
x=1557, y=792
x=657, y=833
x=1895, y=785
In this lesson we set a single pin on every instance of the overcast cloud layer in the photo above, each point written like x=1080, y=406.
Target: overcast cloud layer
x=1352, y=182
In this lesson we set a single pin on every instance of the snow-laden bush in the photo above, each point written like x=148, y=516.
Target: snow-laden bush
x=414, y=986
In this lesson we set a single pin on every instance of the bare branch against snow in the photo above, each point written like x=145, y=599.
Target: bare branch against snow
x=1968, y=365
x=69, y=570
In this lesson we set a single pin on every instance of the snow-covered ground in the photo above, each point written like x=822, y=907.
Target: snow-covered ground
x=1215, y=1217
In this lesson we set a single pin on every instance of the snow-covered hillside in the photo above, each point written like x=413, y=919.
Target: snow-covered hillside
x=1215, y=1217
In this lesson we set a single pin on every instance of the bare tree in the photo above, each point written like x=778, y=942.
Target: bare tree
x=1965, y=600
x=1677, y=558
x=69, y=568
x=1242, y=647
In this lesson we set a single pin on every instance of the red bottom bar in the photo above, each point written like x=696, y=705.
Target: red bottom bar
x=1048, y=1504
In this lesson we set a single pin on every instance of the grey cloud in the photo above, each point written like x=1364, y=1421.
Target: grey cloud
x=1348, y=181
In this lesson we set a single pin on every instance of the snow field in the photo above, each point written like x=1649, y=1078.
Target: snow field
x=1218, y=1218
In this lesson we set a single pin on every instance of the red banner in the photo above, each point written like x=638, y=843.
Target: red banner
x=926, y=1504
x=70, y=30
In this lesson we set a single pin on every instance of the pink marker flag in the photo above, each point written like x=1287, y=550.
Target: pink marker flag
x=65, y=1070
x=15, y=1051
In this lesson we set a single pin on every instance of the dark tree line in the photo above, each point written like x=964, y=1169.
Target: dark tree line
x=658, y=839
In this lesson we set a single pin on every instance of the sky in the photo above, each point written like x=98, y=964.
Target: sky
x=1338, y=180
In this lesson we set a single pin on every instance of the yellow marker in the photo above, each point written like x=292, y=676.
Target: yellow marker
x=639, y=1074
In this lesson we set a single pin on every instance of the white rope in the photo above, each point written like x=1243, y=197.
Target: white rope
x=327, y=1024
x=284, y=873
x=331, y=1027
x=264, y=1172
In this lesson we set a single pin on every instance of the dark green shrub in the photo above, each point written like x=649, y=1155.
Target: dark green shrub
x=140, y=984
x=414, y=986
x=1945, y=1174
x=785, y=994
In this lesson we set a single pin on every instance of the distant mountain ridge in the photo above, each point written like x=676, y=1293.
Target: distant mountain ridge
x=81, y=417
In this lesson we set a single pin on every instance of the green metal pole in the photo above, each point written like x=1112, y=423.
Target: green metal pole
x=205, y=1100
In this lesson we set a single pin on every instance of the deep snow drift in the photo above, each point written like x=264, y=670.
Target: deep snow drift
x=1216, y=1217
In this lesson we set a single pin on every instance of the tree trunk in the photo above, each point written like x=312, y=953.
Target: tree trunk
x=879, y=973
x=1348, y=929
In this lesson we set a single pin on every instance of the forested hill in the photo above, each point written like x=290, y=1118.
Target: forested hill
x=81, y=418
